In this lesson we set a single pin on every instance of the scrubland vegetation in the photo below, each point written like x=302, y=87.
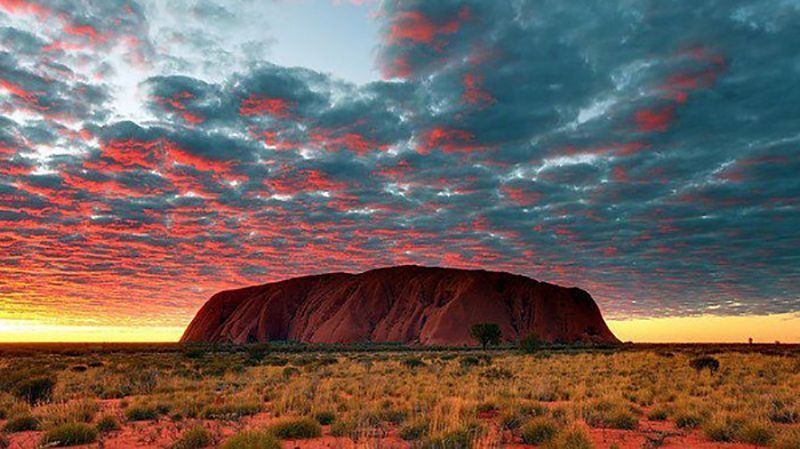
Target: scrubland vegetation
x=258, y=396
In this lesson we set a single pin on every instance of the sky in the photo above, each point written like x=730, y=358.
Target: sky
x=153, y=153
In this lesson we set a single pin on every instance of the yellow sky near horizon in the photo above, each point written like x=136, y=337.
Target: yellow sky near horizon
x=694, y=329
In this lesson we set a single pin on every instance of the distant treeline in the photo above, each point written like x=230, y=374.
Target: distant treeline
x=78, y=349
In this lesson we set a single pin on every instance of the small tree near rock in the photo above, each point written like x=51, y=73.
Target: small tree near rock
x=486, y=334
x=530, y=344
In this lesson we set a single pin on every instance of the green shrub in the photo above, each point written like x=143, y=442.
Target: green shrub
x=252, y=439
x=658, y=413
x=343, y=428
x=758, y=432
x=231, y=410
x=413, y=362
x=514, y=418
x=705, y=362
x=530, y=344
x=721, y=429
x=296, y=429
x=325, y=418
x=539, y=430
x=141, y=412
x=783, y=413
x=77, y=411
x=290, y=371
x=687, y=419
x=392, y=416
x=22, y=423
x=194, y=438
x=572, y=438
x=35, y=390
x=472, y=360
x=414, y=431
x=458, y=439
x=613, y=415
x=72, y=434
x=107, y=423
x=511, y=420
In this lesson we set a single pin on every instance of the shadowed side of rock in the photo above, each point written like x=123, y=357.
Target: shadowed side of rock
x=405, y=304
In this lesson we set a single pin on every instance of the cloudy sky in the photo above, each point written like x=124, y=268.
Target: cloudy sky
x=153, y=153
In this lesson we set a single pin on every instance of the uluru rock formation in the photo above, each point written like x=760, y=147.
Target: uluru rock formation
x=406, y=304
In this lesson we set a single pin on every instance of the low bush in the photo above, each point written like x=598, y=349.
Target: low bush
x=35, y=390
x=687, y=418
x=22, y=423
x=757, y=432
x=252, y=439
x=290, y=371
x=141, y=412
x=539, y=430
x=658, y=413
x=343, y=428
x=107, y=423
x=194, y=438
x=325, y=418
x=782, y=413
x=722, y=429
x=459, y=439
x=531, y=344
x=610, y=414
x=705, y=362
x=296, y=429
x=414, y=431
x=472, y=360
x=53, y=415
x=572, y=438
x=72, y=434
x=413, y=362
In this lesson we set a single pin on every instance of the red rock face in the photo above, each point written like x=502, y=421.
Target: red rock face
x=406, y=304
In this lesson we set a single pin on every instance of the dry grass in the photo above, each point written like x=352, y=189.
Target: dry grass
x=430, y=399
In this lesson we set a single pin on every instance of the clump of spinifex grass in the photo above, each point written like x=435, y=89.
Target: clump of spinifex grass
x=195, y=438
x=610, y=413
x=107, y=423
x=231, y=410
x=80, y=411
x=71, y=434
x=252, y=439
x=540, y=430
x=295, y=429
x=22, y=423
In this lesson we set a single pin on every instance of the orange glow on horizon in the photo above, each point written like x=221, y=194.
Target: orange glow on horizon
x=783, y=327
x=31, y=331
x=695, y=329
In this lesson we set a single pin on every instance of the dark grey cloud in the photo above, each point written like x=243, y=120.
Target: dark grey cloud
x=646, y=151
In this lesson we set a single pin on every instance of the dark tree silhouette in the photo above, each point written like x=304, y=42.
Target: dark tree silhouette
x=486, y=334
x=531, y=344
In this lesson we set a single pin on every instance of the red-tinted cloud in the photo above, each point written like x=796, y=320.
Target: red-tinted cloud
x=261, y=105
